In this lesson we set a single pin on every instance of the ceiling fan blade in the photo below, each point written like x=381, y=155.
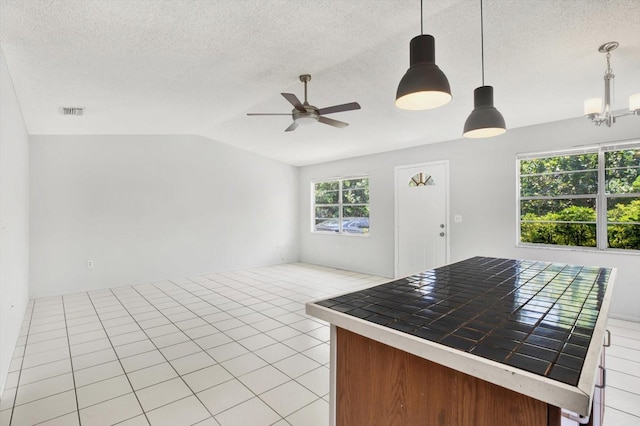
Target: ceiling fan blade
x=292, y=127
x=269, y=113
x=293, y=100
x=332, y=122
x=339, y=108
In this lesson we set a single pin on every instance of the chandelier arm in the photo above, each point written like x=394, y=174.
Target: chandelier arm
x=607, y=94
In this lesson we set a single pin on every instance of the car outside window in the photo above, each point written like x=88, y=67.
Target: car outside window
x=341, y=206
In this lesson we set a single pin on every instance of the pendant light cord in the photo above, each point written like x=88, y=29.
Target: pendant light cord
x=482, y=40
x=421, y=20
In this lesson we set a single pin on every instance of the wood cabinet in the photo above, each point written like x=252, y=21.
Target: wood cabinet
x=377, y=384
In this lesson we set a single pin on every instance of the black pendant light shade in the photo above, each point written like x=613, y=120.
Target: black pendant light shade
x=424, y=85
x=485, y=120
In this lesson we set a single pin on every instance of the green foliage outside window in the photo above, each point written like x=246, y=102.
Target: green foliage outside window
x=552, y=228
x=624, y=234
x=559, y=198
x=565, y=175
x=342, y=206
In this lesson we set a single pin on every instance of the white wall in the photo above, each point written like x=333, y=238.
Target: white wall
x=14, y=219
x=482, y=190
x=145, y=208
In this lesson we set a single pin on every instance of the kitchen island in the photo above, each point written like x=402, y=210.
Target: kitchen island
x=485, y=341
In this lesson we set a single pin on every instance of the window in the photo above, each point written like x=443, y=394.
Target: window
x=421, y=179
x=587, y=198
x=341, y=206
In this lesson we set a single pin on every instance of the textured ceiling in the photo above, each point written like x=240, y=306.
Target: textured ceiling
x=198, y=66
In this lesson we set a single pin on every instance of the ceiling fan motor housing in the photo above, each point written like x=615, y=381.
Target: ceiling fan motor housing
x=310, y=116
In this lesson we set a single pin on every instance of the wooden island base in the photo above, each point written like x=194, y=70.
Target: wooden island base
x=377, y=384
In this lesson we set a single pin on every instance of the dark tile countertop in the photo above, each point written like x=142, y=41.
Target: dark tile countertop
x=535, y=316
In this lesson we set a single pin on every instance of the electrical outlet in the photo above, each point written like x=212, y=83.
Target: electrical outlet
x=457, y=218
x=89, y=263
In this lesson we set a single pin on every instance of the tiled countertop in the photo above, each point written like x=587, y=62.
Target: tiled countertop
x=540, y=322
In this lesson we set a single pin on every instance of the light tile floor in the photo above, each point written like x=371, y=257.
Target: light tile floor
x=220, y=349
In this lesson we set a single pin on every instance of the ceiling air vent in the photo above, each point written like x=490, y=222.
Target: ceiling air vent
x=71, y=110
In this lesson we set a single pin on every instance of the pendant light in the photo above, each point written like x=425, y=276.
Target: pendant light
x=485, y=120
x=424, y=85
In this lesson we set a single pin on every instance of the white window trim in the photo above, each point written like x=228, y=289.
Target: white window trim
x=601, y=196
x=313, y=205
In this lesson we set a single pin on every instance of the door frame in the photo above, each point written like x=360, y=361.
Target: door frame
x=396, y=171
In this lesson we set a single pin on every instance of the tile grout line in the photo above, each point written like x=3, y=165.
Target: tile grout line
x=163, y=355
x=239, y=318
x=102, y=380
x=240, y=291
x=251, y=351
x=73, y=376
x=321, y=365
x=26, y=340
x=234, y=340
x=221, y=331
x=81, y=369
x=220, y=364
x=119, y=362
x=47, y=396
x=226, y=288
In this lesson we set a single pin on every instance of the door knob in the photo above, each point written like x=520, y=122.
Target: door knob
x=442, y=234
x=442, y=225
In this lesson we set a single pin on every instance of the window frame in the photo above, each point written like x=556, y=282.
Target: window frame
x=601, y=196
x=340, y=205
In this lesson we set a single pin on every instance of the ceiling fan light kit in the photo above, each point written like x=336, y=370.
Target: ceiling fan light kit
x=485, y=120
x=424, y=85
x=304, y=113
x=601, y=113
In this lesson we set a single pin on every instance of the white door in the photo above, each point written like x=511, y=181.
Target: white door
x=421, y=217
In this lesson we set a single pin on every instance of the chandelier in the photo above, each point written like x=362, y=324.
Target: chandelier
x=600, y=113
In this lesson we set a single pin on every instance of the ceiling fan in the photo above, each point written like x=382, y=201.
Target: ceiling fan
x=303, y=113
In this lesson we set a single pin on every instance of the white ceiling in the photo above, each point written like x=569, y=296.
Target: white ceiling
x=199, y=66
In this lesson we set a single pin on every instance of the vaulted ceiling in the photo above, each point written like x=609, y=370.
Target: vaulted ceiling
x=199, y=66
